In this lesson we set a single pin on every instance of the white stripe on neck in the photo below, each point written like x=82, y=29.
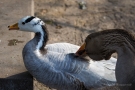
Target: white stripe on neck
x=40, y=43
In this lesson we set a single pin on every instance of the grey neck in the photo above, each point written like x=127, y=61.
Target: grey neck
x=125, y=69
x=124, y=45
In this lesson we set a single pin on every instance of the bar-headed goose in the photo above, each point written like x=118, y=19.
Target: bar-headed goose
x=56, y=66
x=101, y=45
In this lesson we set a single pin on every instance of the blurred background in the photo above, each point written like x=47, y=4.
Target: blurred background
x=71, y=20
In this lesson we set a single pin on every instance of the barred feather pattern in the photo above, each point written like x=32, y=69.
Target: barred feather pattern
x=122, y=42
x=59, y=68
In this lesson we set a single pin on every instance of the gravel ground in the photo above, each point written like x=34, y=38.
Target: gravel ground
x=68, y=22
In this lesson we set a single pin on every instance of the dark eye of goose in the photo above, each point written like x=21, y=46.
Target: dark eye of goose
x=23, y=23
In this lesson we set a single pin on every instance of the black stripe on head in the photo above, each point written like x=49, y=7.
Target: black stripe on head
x=29, y=19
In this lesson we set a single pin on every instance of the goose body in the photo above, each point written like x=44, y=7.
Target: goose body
x=56, y=65
x=62, y=47
x=103, y=68
x=101, y=45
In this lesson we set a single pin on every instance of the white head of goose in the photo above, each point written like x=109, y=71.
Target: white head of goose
x=56, y=66
x=101, y=45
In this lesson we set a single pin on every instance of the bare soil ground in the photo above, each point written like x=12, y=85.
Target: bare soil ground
x=66, y=22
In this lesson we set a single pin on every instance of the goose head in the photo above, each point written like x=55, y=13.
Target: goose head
x=33, y=24
x=28, y=23
x=100, y=45
x=92, y=47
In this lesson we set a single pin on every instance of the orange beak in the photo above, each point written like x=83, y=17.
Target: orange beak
x=81, y=50
x=14, y=27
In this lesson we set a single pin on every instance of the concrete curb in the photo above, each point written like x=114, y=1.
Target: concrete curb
x=14, y=75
